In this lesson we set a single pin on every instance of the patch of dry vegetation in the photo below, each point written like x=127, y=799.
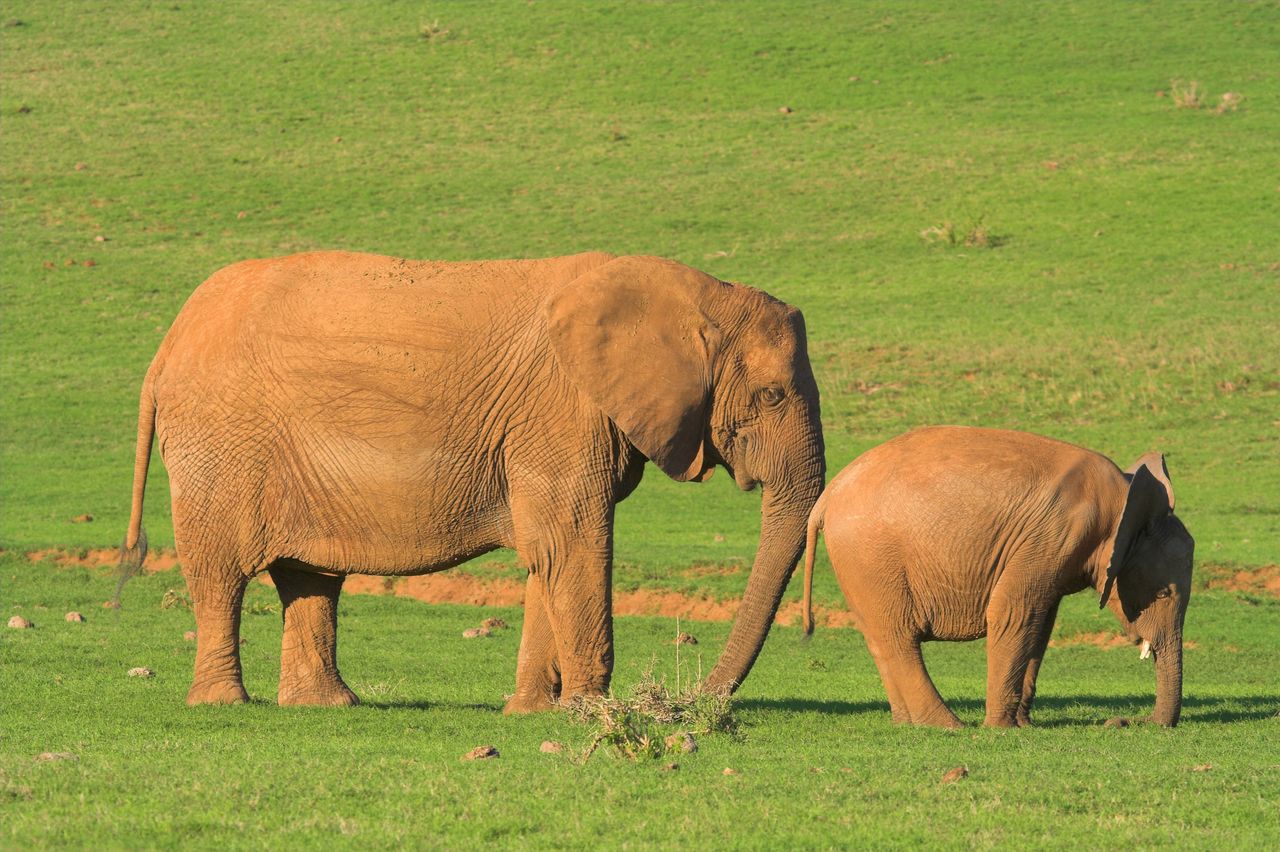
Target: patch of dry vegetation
x=653, y=719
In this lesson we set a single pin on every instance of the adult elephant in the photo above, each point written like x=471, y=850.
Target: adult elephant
x=333, y=413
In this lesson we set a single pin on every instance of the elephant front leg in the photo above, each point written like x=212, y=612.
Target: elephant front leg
x=1016, y=634
x=309, y=649
x=1033, y=670
x=573, y=581
x=538, y=669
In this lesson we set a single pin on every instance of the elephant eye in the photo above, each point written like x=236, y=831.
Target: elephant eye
x=770, y=396
x=1164, y=593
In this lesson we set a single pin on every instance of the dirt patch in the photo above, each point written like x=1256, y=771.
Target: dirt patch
x=1264, y=580
x=1100, y=639
x=160, y=559
x=459, y=587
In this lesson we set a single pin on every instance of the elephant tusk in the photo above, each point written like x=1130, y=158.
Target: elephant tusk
x=1146, y=650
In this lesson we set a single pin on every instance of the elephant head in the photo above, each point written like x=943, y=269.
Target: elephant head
x=698, y=373
x=1150, y=570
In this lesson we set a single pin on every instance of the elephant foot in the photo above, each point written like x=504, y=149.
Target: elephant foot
x=217, y=692
x=1001, y=722
x=519, y=704
x=317, y=695
x=1024, y=721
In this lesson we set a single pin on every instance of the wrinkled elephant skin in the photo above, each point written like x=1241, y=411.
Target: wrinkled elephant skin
x=332, y=413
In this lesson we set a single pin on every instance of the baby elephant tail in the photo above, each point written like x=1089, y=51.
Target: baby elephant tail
x=810, y=546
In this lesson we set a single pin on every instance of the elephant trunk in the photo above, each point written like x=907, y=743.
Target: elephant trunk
x=782, y=532
x=1168, y=684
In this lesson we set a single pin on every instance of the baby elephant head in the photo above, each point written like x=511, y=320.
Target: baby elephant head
x=1150, y=571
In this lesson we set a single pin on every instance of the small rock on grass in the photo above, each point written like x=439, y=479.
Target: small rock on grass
x=82, y=519
x=686, y=639
x=728, y=771
x=74, y=616
x=671, y=767
x=953, y=775
x=493, y=624
x=141, y=671
x=1117, y=722
x=550, y=747
x=483, y=752
x=110, y=605
x=683, y=741
x=189, y=636
x=475, y=633
x=20, y=623
x=56, y=755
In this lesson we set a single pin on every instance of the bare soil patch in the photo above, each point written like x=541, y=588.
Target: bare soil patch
x=1264, y=580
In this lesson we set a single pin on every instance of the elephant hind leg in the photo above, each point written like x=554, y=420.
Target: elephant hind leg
x=903, y=672
x=309, y=649
x=216, y=598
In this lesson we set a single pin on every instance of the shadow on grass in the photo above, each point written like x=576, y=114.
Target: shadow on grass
x=1242, y=708
x=428, y=705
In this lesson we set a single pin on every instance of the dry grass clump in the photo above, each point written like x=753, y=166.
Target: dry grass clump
x=974, y=235
x=640, y=725
x=1190, y=95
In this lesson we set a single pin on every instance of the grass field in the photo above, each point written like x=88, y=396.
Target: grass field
x=1054, y=217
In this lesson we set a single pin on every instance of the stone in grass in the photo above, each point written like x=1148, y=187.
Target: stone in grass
x=493, y=624
x=953, y=775
x=20, y=623
x=189, y=636
x=56, y=755
x=74, y=616
x=141, y=671
x=686, y=639
x=683, y=741
x=728, y=771
x=475, y=632
x=483, y=752
x=551, y=747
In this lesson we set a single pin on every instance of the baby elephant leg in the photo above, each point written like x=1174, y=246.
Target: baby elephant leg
x=904, y=674
x=1016, y=635
x=1033, y=670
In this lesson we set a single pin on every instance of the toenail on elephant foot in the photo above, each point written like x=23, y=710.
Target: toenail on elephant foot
x=334, y=695
x=218, y=692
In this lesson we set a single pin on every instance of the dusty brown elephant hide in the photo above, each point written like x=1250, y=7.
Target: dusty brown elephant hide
x=955, y=533
x=332, y=413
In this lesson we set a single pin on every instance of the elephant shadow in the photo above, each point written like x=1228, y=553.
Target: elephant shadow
x=1194, y=708
x=410, y=704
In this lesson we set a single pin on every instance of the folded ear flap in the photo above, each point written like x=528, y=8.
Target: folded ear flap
x=1146, y=504
x=1154, y=462
x=631, y=337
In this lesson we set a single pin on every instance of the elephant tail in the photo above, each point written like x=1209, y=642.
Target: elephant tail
x=810, y=547
x=134, y=549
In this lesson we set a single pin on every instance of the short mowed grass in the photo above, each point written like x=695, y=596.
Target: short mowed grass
x=989, y=215
x=817, y=761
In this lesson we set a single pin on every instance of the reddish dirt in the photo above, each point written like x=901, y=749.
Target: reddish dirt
x=1101, y=639
x=160, y=559
x=1264, y=580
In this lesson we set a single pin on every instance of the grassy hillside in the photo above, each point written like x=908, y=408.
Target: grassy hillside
x=1059, y=217
x=1126, y=298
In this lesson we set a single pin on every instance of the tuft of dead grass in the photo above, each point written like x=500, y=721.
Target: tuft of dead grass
x=975, y=234
x=1191, y=95
x=653, y=719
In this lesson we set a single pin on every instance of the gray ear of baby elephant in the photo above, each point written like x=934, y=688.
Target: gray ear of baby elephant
x=1146, y=503
x=1154, y=462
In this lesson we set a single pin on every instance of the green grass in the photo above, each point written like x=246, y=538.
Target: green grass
x=819, y=762
x=1131, y=302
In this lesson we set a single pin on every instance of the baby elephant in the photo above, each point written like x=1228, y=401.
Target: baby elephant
x=955, y=533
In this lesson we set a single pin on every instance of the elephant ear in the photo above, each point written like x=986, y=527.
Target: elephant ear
x=1146, y=504
x=630, y=336
x=1154, y=462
